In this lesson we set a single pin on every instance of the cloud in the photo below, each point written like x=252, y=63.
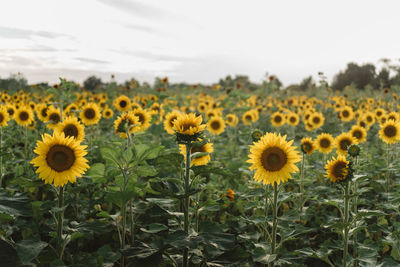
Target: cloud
x=152, y=56
x=91, y=60
x=141, y=28
x=15, y=33
x=135, y=8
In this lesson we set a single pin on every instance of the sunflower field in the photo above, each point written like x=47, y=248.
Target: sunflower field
x=171, y=175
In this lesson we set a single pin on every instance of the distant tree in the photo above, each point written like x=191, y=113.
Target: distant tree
x=13, y=83
x=359, y=75
x=383, y=78
x=91, y=83
x=306, y=83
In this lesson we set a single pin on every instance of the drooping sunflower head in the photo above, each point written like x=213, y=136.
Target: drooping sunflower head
x=343, y=141
x=232, y=120
x=90, y=114
x=359, y=133
x=390, y=132
x=71, y=127
x=24, y=116
x=216, y=125
x=4, y=117
x=200, y=148
x=144, y=119
x=273, y=158
x=256, y=135
x=338, y=169
x=188, y=127
x=60, y=159
x=325, y=143
x=126, y=123
x=277, y=119
x=307, y=145
x=169, y=121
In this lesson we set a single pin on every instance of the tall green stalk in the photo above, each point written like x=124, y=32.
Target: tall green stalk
x=275, y=220
x=60, y=222
x=346, y=222
x=1, y=156
x=387, y=171
x=355, y=211
x=301, y=189
x=185, y=262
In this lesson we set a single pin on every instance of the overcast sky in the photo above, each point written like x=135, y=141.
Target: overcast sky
x=193, y=41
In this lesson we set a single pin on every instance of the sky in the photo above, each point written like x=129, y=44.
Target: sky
x=193, y=41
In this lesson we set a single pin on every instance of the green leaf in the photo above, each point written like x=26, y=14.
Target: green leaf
x=145, y=171
x=16, y=205
x=96, y=172
x=8, y=254
x=110, y=154
x=155, y=228
x=29, y=249
x=120, y=198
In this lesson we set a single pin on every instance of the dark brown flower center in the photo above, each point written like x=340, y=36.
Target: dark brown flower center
x=71, y=130
x=44, y=112
x=171, y=121
x=54, y=117
x=325, y=143
x=357, y=134
x=307, y=147
x=1, y=117
x=248, y=118
x=188, y=125
x=10, y=111
x=316, y=120
x=23, y=116
x=89, y=113
x=215, y=125
x=292, y=119
x=390, y=131
x=273, y=159
x=123, y=103
x=345, y=113
x=60, y=158
x=140, y=117
x=197, y=149
x=339, y=170
x=277, y=119
x=344, y=144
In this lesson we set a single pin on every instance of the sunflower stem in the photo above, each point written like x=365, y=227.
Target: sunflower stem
x=186, y=203
x=1, y=156
x=275, y=220
x=301, y=186
x=387, y=171
x=266, y=213
x=355, y=211
x=132, y=221
x=346, y=222
x=123, y=214
x=60, y=222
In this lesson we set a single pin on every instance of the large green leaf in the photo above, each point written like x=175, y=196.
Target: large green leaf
x=16, y=205
x=29, y=249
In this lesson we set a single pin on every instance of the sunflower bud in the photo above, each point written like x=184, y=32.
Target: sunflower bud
x=353, y=150
x=256, y=135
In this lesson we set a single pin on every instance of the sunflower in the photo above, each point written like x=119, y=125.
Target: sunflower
x=144, y=119
x=337, y=169
x=249, y=117
x=232, y=120
x=346, y=113
x=307, y=145
x=71, y=109
x=202, y=107
x=393, y=116
x=126, y=122
x=343, y=141
x=108, y=113
x=90, y=114
x=11, y=110
x=41, y=112
x=122, y=103
x=60, y=159
x=277, y=119
x=54, y=117
x=324, y=143
x=359, y=133
x=24, y=116
x=4, y=117
x=316, y=120
x=188, y=127
x=169, y=121
x=273, y=158
x=369, y=118
x=71, y=127
x=293, y=119
x=216, y=125
x=201, y=160
x=390, y=132
x=379, y=112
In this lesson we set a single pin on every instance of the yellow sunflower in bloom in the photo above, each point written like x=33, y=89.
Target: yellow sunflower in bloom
x=277, y=119
x=24, y=116
x=343, y=141
x=71, y=109
x=202, y=107
x=144, y=119
x=337, y=169
x=41, y=112
x=71, y=127
x=273, y=158
x=188, y=124
x=10, y=110
x=126, y=122
x=359, y=133
x=379, y=112
x=4, y=117
x=325, y=143
x=390, y=132
x=393, y=116
x=169, y=121
x=307, y=145
x=232, y=120
x=201, y=160
x=293, y=119
x=249, y=117
x=369, y=118
x=90, y=114
x=108, y=113
x=216, y=125
x=54, y=117
x=346, y=113
x=60, y=159
x=316, y=120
